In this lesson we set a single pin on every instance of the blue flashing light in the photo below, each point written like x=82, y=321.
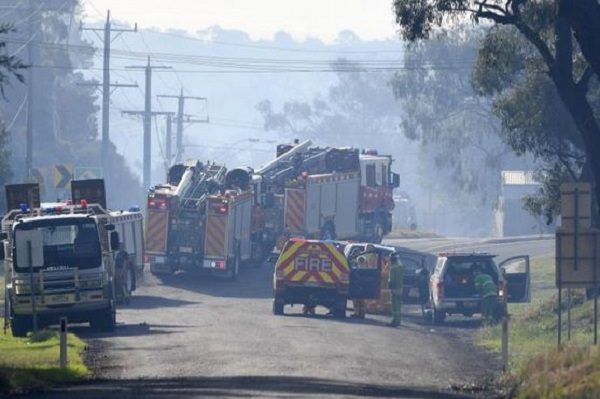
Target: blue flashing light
x=24, y=208
x=134, y=208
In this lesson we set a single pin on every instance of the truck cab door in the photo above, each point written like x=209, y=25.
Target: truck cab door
x=516, y=271
x=365, y=280
x=415, y=277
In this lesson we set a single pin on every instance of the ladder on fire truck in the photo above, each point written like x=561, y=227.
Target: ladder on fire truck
x=206, y=182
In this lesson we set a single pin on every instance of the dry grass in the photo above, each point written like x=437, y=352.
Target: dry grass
x=573, y=372
x=537, y=368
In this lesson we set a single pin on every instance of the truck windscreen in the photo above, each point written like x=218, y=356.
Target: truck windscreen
x=72, y=243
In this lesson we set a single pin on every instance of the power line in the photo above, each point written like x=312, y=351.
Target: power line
x=278, y=48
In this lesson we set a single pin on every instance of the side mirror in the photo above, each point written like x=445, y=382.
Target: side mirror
x=2, y=254
x=395, y=180
x=272, y=259
x=114, y=240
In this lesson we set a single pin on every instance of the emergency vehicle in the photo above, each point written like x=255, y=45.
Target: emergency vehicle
x=327, y=193
x=452, y=289
x=200, y=220
x=73, y=259
x=312, y=273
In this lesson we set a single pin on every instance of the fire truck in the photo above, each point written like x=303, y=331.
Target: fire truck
x=201, y=220
x=73, y=259
x=326, y=193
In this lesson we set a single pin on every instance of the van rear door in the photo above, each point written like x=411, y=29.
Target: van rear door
x=365, y=275
x=415, y=288
x=516, y=271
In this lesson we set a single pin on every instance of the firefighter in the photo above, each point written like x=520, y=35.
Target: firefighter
x=359, y=304
x=488, y=291
x=395, y=283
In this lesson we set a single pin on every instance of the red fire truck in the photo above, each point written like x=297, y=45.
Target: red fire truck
x=200, y=220
x=327, y=193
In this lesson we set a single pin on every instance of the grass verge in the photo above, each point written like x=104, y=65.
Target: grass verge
x=537, y=368
x=32, y=363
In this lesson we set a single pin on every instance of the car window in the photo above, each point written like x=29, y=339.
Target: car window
x=462, y=269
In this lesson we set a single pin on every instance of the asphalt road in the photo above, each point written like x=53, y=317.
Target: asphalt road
x=192, y=336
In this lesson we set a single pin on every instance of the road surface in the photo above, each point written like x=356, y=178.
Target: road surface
x=191, y=336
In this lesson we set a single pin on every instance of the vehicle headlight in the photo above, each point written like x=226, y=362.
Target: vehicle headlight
x=91, y=283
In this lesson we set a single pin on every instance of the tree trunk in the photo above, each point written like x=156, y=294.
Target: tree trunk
x=583, y=115
x=583, y=16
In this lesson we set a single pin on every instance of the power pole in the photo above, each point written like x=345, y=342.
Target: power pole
x=30, y=95
x=169, y=151
x=182, y=118
x=147, y=115
x=106, y=85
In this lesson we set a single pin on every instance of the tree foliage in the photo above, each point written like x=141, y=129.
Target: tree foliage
x=64, y=104
x=538, y=52
x=10, y=65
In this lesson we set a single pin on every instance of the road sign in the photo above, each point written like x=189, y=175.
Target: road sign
x=63, y=174
x=575, y=206
x=87, y=173
x=576, y=258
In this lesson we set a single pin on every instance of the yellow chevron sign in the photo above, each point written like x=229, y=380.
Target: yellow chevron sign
x=63, y=174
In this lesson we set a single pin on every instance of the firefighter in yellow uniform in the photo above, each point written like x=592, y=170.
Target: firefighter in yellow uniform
x=395, y=283
x=360, y=309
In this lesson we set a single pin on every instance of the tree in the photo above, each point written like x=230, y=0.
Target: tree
x=534, y=119
x=65, y=125
x=549, y=26
x=10, y=65
x=455, y=125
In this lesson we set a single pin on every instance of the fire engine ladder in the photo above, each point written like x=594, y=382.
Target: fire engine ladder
x=201, y=187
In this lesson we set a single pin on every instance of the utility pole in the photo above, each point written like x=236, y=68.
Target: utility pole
x=30, y=95
x=106, y=85
x=169, y=151
x=147, y=115
x=182, y=118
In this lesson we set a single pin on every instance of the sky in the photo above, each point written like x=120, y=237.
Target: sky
x=322, y=19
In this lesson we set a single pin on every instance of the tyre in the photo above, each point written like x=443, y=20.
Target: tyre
x=438, y=317
x=105, y=320
x=328, y=232
x=21, y=325
x=278, y=307
x=129, y=285
x=235, y=270
x=258, y=255
x=426, y=312
x=339, y=311
x=378, y=232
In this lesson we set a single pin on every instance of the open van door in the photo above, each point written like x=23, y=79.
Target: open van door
x=365, y=275
x=415, y=277
x=516, y=271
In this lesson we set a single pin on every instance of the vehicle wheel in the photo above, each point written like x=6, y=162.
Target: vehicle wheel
x=278, y=307
x=20, y=325
x=258, y=255
x=378, y=233
x=105, y=320
x=339, y=311
x=426, y=312
x=129, y=284
x=233, y=273
x=328, y=232
x=438, y=316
